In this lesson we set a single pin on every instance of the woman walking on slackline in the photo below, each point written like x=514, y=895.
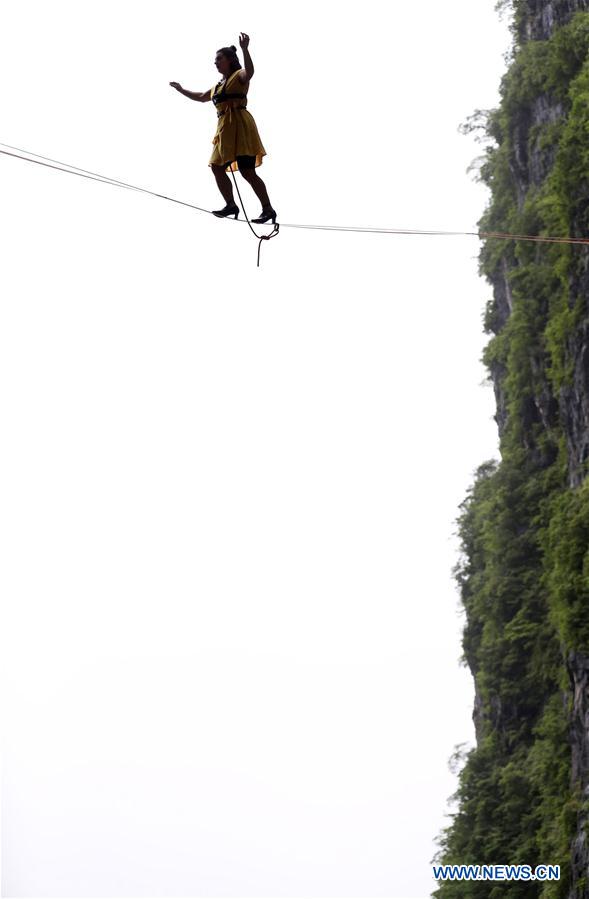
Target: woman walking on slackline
x=237, y=144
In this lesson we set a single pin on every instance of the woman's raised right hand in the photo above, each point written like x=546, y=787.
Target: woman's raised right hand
x=176, y=85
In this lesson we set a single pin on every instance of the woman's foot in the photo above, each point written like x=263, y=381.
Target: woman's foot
x=229, y=209
x=267, y=213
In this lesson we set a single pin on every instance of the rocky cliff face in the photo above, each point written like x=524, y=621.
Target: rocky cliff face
x=574, y=399
x=523, y=792
x=540, y=18
x=578, y=669
x=531, y=160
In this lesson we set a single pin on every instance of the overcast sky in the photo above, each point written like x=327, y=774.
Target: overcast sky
x=231, y=637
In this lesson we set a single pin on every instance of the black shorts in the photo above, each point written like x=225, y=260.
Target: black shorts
x=244, y=162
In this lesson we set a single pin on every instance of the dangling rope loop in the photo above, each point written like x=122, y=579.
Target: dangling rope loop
x=260, y=237
x=273, y=233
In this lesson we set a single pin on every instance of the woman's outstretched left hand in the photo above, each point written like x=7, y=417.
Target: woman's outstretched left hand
x=243, y=40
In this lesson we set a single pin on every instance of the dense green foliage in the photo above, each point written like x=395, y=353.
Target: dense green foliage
x=523, y=575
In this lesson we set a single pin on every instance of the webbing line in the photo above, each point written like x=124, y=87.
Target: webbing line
x=105, y=179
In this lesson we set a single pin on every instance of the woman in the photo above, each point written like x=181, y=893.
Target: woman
x=237, y=144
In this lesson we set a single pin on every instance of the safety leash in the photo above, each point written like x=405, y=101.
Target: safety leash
x=260, y=237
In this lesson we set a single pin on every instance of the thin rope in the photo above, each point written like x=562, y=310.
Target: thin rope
x=105, y=179
x=262, y=237
x=94, y=176
x=69, y=166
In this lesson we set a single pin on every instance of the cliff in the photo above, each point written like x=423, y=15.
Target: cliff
x=523, y=576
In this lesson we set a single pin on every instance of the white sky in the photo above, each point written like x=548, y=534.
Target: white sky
x=231, y=635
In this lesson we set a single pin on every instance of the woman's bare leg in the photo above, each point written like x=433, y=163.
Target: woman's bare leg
x=258, y=185
x=223, y=183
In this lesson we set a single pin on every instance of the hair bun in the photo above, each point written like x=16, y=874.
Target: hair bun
x=233, y=47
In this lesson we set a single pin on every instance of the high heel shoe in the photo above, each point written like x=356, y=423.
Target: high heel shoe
x=229, y=209
x=267, y=213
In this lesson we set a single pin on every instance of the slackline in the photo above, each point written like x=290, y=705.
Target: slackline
x=48, y=162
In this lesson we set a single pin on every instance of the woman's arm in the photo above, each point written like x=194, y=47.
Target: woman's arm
x=249, y=66
x=201, y=96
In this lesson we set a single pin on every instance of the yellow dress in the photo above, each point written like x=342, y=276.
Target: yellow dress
x=237, y=133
